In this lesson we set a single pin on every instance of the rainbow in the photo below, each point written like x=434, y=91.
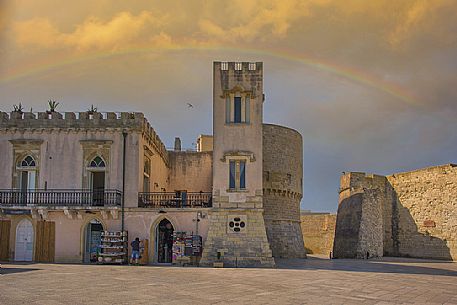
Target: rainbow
x=351, y=73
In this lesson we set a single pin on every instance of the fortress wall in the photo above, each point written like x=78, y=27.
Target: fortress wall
x=318, y=232
x=191, y=171
x=414, y=213
x=360, y=227
x=426, y=218
x=282, y=185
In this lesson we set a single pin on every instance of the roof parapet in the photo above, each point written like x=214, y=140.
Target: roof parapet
x=81, y=120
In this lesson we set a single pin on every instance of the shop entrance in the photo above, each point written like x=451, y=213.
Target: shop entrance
x=24, y=241
x=164, y=241
x=93, y=235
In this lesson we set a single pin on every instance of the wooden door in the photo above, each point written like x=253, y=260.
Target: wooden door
x=45, y=242
x=5, y=226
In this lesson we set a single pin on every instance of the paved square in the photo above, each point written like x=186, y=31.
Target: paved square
x=312, y=281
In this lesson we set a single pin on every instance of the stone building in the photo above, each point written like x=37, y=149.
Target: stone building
x=67, y=177
x=406, y=214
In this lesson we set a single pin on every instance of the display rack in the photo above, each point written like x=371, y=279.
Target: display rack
x=187, y=249
x=113, y=248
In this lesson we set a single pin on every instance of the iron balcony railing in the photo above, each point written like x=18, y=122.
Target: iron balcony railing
x=175, y=200
x=60, y=197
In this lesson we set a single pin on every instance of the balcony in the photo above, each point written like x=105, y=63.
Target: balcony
x=172, y=200
x=56, y=198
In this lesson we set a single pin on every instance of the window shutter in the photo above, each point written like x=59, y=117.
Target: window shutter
x=242, y=174
x=248, y=108
x=232, y=174
x=227, y=109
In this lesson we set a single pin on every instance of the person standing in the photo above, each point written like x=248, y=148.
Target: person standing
x=135, y=251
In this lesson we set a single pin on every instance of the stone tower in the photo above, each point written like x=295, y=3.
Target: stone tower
x=282, y=190
x=237, y=234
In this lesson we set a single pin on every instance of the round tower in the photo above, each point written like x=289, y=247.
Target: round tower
x=282, y=190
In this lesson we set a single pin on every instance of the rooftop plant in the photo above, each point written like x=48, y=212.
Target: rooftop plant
x=52, y=105
x=92, y=109
x=18, y=108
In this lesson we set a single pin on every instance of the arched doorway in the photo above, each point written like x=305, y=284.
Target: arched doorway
x=24, y=241
x=92, y=240
x=164, y=241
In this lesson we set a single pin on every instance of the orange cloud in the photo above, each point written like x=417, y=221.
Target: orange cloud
x=122, y=29
x=417, y=15
x=249, y=20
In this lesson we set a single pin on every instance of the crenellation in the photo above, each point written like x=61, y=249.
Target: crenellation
x=70, y=116
x=111, y=116
x=29, y=116
x=81, y=120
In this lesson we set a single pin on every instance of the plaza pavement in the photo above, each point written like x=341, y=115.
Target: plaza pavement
x=311, y=281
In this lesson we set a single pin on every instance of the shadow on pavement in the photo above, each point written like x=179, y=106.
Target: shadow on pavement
x=5, y=269
x=389, y=265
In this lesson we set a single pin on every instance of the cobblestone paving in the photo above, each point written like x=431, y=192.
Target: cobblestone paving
x=311, y=281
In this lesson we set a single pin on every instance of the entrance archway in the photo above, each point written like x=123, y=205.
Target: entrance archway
x=24, y=241
x=164, y=241
x=92, y=240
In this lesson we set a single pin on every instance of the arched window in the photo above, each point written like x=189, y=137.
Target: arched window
x=97, y=162
x=28, y=161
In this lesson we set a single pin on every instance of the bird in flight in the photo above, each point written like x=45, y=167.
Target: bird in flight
x=189, y=105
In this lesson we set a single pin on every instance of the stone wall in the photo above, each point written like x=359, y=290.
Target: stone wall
x=426, y=220
x=247, y=248
x=408, y=214
x=282, y=184
x=318, y=231
x=191, y=171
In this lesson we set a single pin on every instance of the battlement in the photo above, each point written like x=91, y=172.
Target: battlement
x=128, y=121
x=358, y=181
x=242, y=67
x=82, y=120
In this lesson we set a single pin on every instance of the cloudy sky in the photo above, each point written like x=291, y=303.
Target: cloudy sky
x=371, y=85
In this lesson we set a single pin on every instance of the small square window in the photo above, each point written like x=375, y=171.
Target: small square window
x=224, y=66
x=238, y=66
x=252, y=66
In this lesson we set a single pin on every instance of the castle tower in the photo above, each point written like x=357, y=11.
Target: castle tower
x=282, y=190
x=237, y=234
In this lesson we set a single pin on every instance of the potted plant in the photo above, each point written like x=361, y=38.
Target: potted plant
x=52, y=106
x=92, y=110
x=18, y=108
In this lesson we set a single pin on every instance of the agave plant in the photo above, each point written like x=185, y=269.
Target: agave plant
x=18, y=108
x=92, y=109
x=52, y=105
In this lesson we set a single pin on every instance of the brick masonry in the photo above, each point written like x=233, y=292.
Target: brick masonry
x=407, y=214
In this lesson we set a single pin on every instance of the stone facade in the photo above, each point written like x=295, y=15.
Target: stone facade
x=237, y=125
x=407, y=214
x=318, y=232
x=75, y=157
x=191, y=171
x=282, y=190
